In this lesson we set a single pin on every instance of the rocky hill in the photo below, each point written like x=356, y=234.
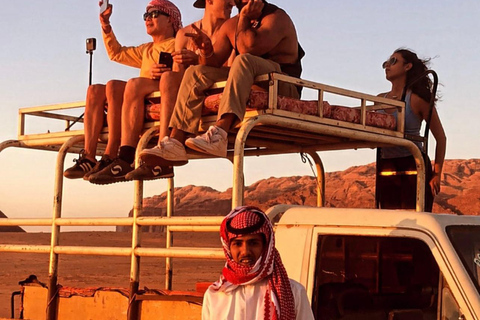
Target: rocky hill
x=354, y=187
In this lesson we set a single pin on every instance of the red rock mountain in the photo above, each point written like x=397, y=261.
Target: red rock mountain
x=354, y=187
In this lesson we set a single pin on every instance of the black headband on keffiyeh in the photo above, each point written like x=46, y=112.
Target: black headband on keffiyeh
x=251, y=220
x=170, y=9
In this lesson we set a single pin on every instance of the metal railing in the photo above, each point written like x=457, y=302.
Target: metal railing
x=173, y=224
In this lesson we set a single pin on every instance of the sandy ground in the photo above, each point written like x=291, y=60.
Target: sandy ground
x=96, y=271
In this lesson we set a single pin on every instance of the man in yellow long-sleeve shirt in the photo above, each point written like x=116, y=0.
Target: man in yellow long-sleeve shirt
x=125, y=100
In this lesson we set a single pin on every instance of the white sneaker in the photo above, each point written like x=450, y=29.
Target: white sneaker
x=214, y=141
x=170, y=152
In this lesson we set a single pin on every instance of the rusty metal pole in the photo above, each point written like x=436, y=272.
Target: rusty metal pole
x=57, y=213
x=169, y=235
x=135, y=260
x=320, y=178
x=137, y=212
x=238, y=160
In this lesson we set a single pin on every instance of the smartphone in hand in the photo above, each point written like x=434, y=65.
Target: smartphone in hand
x=103, y=6
x=166, y=59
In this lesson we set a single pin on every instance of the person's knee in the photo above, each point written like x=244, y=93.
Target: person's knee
x=115, y=88
x=140, y=87
x=133, y=84
x=166, y=80
x=243, y=61
x=170, y=82
x=96, y=98
x=96, y=90
x=196, y=71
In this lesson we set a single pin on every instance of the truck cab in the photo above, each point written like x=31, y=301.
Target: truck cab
x=382, y=264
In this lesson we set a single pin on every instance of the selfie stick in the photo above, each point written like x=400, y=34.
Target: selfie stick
x=91, y=45
x=90, y=71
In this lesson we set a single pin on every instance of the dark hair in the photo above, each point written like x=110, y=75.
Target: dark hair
x=423, y=86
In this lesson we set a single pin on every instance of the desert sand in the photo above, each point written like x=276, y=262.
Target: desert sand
x=97, y=271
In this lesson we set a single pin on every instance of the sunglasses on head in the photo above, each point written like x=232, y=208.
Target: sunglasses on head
x=154, y=14
x=390, y=62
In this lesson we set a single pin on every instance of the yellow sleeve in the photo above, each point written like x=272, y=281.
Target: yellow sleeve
x=130, y=56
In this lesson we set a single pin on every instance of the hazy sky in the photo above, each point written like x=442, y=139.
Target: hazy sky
x=43, y=61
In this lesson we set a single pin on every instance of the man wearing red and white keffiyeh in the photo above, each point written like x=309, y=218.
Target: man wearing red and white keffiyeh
x=254, y=283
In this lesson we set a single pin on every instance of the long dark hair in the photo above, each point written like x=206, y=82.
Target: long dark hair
x=423, y=86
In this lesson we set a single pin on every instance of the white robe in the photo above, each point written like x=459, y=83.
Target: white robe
x=247, y=303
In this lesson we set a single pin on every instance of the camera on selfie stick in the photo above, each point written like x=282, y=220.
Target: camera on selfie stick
x=91, y=45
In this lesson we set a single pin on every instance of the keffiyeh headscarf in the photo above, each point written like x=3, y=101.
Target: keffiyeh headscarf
x=251, y=220
x=170, y=9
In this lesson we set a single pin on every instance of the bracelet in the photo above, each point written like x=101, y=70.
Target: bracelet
x=204, y=56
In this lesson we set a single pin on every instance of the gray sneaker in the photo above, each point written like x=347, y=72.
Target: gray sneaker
x=103, y=163
x=114, y=172
x=146, y=172
x=81, y=167
x=214, y=142
x=169, y=152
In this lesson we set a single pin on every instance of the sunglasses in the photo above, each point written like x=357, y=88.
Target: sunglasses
x=154, y=14
x=390, y=62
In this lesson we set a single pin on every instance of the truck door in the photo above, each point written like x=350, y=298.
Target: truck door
x=379, y=277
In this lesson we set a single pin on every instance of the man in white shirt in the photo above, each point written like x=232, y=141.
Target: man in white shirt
x=254, y=283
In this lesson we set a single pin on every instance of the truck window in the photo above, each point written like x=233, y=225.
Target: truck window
x=466, y=241
x=360, y=277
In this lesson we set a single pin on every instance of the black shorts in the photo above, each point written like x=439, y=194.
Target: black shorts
x=399, y=191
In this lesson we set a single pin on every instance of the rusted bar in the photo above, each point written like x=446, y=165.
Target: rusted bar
x=57, y=213
x=320, y=179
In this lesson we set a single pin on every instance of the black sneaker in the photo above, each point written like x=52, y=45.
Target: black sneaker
x=146, y=172
x=103, y=163
x=114, y=172
x=82, y=166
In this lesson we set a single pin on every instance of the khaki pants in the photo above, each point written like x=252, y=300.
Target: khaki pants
x=240, y=77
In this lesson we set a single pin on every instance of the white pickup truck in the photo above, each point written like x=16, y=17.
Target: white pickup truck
x=382, y=264
x=354, y=263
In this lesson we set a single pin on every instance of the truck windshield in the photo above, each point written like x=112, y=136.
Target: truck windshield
x=466, y=241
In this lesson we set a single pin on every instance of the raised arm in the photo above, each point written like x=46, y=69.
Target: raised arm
x=259, y=35
x=213, y=54
x=105, y=18
x=183, y=57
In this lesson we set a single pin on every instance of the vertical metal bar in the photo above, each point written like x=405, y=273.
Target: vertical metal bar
x=401, y=119
x=57, y=213
x=419, y=161
x=21, y=123
x=272, y=92
x=320, y=178
x=320, y=103
x=135, y=260
x=137, y=212
x=238, y=177
x=169, y=235
x=363, y=112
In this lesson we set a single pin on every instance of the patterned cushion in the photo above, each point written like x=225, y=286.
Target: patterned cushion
x=258, y=100
x=374, y=119
x=152, y=111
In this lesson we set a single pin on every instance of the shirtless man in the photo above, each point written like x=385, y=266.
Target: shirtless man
x=253, y=274
x=265, y=40
x=185, y=55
